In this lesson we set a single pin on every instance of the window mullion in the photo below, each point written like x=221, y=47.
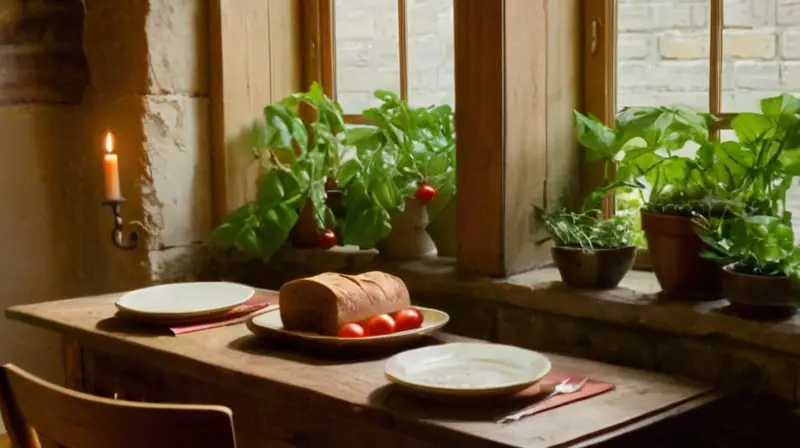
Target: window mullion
x=716, y=58
x=402, y=24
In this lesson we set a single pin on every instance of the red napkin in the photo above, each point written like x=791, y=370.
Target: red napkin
x=261, y=302
x=546, y=385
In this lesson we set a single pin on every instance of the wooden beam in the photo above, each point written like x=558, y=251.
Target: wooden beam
x=504, y=55
x=600, y=88
x=255, y=59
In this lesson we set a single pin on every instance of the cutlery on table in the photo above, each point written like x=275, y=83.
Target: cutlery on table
x=562, y=388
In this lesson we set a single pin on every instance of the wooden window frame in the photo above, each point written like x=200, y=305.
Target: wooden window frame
x=319, y=20
x=512, y=72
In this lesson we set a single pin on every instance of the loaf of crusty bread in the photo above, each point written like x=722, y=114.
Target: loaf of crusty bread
x=325, y=302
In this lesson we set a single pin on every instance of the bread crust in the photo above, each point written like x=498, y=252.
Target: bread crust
x=325, y=302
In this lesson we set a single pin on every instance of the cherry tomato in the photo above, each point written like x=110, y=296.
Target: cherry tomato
x=327, y=239
x=380, y=324
x=352, y=331
x=408, y=319
x=425, y=192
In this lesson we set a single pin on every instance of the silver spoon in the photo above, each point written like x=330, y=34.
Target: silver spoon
x=561, y=388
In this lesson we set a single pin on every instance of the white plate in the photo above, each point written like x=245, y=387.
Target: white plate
x=270, y=325
x=467, y=369
x=178, y=300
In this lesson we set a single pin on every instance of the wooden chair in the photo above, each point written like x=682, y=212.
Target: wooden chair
x=33, y=407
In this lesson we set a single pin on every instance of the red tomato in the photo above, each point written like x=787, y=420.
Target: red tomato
x=425, y=193
x=327, y=239
x=408, y=319
x=352, y=331
x=380, y=324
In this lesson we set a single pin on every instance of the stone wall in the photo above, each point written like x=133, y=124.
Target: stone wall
x=42, y=59
x=148, y=61
x=71, y=70
x=43, y=75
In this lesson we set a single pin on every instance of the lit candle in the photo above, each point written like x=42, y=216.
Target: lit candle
x=111, y=170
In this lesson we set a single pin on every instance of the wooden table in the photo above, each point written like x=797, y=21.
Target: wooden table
x=282, y=398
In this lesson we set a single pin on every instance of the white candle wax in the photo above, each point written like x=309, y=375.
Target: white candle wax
x=111, y=170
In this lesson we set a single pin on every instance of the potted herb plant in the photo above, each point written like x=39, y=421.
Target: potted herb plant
x=411, y=156
x=591, y=252
x=645, y=147
x=715, y=179
x=292, y=190
x=761, y=262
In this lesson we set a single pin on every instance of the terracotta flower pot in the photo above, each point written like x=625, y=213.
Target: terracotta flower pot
x=674, y=250
x=304, y=234
x=757, y=296
x=443, y=229
x=409, y=238
x=595, y=269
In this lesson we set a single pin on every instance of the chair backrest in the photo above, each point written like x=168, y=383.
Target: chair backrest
x=32, y=406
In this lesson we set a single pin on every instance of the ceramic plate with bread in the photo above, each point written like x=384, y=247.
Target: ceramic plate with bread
x=373, y=308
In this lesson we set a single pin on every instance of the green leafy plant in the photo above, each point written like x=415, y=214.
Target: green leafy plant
x=298, y=162
x=759, y=245
x=403, y=148
x=373, y=166
x=586, y=229
x=648, y=145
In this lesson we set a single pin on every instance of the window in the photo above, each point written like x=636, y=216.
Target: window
x=405, y=46
x=516, y=70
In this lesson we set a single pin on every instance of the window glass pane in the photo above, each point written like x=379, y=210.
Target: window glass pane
x=367, y=51
x=662, y=51
x=431, y=76
x=760, y=41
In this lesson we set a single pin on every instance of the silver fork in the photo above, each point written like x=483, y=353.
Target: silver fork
x=562, y=388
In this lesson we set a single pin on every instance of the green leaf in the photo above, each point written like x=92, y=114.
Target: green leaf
x=247, y=241
x=791, y=162
x=365, y=226
x=347, y=172
x=438, y=164
x=781, y=107
x=596, y=137
x=356, y=134
x=279, y=123
x=270, y=188
x=750, y=127
x=299, y=133
x=224, y=235
x=387, y=96
x=385, y=193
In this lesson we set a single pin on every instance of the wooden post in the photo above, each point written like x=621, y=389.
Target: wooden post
x=504, y=57
x=255, y=59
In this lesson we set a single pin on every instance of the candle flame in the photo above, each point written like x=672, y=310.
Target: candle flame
x=109, y=142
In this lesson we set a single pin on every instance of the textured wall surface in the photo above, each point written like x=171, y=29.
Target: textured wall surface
x=69, y=72
x=41, y=60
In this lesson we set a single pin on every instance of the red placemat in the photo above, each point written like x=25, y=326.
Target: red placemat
x=257, y=304
x=546, y=385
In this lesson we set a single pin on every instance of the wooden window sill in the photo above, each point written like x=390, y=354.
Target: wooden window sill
x=628, y=325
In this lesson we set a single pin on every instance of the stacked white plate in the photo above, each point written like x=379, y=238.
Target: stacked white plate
x=181, y=301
